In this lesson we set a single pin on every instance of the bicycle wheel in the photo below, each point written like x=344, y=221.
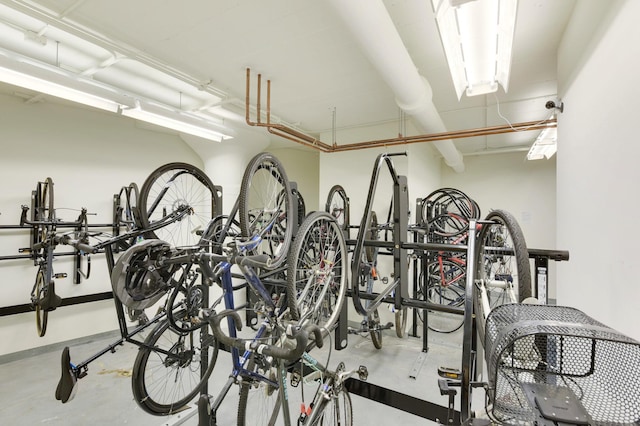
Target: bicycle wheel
x=173, y=187
x=338, y=206
x=401, y=317
x=259, y=402
x=43, y=211
x=375, y=330
x=503, y=271
x=317, y=272
x=125, y=208
x=266, y=208
x=447, y=211
x=337, y=411
x=299, y=202
x=445, y=285
x=42, y=315
x=167, y=372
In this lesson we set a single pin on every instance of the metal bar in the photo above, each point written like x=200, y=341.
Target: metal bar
x=400, y=401
x=26, y=307
x=468, y=335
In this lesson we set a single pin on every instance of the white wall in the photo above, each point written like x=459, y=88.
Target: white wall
x=89, y=155
x=598, y=169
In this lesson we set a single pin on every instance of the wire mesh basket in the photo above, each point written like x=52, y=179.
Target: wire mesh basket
x=555, y=364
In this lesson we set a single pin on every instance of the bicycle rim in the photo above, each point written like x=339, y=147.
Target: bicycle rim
x=266, y=207
x=510, y=266
x=163, y=384
x=175, y=186
x=317, y=272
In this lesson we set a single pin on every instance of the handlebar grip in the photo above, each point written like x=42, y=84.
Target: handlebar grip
x=256, y=261
x=87, y=248
x=78, y=244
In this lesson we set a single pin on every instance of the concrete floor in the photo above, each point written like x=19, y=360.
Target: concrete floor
x=104, y=396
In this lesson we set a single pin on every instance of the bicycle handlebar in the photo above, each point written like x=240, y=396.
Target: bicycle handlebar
x=300, y=335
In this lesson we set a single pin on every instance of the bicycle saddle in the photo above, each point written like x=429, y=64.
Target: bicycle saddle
x=66, y=389
x=51, y=300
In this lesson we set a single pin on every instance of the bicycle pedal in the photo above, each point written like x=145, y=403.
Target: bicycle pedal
x=449, y=373
x=60, y=275
x=295, y=378
x=363, y=373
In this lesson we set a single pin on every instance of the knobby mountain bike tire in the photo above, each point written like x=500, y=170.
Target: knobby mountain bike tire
x=173, y=186
x=266, y=207
x=317, y=272
x=164, y=383
x=510, y=265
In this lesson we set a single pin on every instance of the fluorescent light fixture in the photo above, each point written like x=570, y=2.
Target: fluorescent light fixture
x=477, y=37
x=56, y=82
x=545, y=145
x=176, y=120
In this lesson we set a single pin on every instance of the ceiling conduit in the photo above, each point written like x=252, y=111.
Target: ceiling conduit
x=372, y=26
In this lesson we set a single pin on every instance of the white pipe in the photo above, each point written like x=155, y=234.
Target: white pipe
x=378, y=37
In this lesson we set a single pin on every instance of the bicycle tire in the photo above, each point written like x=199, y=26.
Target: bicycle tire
x=401, y=317
x=299, y=202
x=317, y=272
x=374, y=329
x=42, y=315
x=337, y=205
x=445, y=285
x=492, y=235
x=170, y=187
x=43, y=211
x=259, y=402
x=266, y=208
x=338, y=411
x=162, y=384
x=126, y=208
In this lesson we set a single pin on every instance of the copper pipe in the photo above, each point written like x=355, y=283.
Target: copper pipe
x=268, y=101
x=258, y=100
x=307, y=140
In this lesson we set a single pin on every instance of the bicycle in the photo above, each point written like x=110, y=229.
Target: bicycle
x=178, y=355
x=503, y=273
x=43, y=221
x=446, y=213
x=315, y=294
x=330, y=403
x=266, y=213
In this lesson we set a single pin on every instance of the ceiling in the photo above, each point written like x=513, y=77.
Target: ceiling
x=194, y=55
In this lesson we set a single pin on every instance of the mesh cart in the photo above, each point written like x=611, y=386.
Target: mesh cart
x=550, y=365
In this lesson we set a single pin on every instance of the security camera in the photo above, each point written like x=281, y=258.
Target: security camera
x=555, y=105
